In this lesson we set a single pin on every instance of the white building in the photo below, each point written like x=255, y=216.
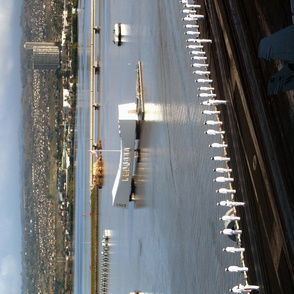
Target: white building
x=128, y=120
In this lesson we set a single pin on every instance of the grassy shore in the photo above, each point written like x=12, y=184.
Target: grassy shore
x=94, y=240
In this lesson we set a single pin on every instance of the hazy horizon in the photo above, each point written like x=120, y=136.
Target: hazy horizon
x=12, y=142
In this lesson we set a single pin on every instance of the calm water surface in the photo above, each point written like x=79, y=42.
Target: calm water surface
x=168, y=240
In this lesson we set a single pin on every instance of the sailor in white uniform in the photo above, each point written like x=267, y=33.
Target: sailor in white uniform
x=199, y=58
x=191, y=26
x=204, y=41
x=221, y=158
x=230, y=203
x=225, y=191
x=188, y=11
x=217, y=145
x=210, y=112
x=192, y=33
x=206, y=94
x=192, y=6
x=187, y=18
x=207, y=103
x=222, y=170
x=236, y=289
x=236, y=269
x=195, y=46
x=199, y=65
x=223, y=180
x=213, y=123
x=213, y=102
x=241, y=288
x=205, y=88
x=203, y=73
x=229, y=218
x=214, y=132
x=197, y=52
x=250, y=287
x=234, y=250
x=231, y=232
x=191, y=40
x=195, y=16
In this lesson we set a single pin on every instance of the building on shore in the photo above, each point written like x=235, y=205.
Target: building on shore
x=46, y=55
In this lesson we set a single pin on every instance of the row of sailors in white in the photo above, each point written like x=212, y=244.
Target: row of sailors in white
x=239, y=288
x=217, y=145
x=210, y=101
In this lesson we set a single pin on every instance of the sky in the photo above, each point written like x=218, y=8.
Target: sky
x=11, y=143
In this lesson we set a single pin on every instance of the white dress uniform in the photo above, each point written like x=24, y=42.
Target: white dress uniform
x=210, y=112
x=222, y=170
x=221, y=158
x=214, y=132
x=233, y=249
x=230, y=203
x=231, y=232
x=225, y=191
x=223, y=180
x=236, y=269
x=217, y=145
x=229, y=218
x=212, y=123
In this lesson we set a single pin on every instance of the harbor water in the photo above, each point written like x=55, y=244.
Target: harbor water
x=168, y=240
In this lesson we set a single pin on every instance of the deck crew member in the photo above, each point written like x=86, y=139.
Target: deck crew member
x=214, y=132
x=225, y=191
x=229, y=218
x=221, y=158
x=233, y=249
x=231, y=232
x=236, y=269
x=230, y=203
x=223, y=180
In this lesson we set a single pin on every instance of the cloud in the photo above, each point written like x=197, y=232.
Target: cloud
x=7, y=18
x=10, y=281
